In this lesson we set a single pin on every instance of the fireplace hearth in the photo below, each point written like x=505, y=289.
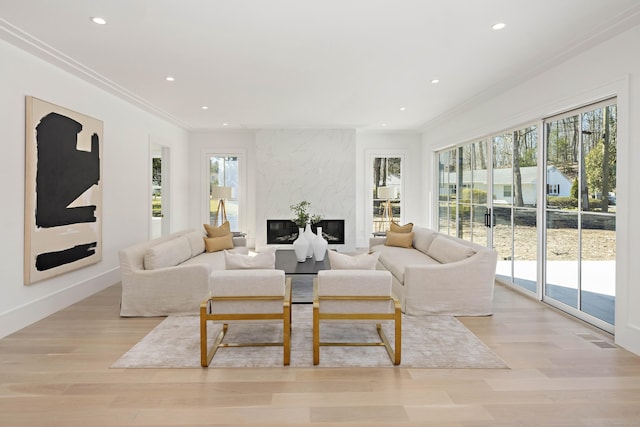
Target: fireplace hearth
x=285, y=232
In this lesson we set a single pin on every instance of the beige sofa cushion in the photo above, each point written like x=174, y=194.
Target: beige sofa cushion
x=248, y=283
x=167, y=254
x=354, y=283
x=262, y=260
x=196, y=241
x=422, y=238
x=396, y=259
x=446, y=250
x=357, y=262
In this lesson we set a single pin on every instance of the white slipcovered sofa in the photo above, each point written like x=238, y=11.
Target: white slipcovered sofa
x=439, y=274
x=170, y=274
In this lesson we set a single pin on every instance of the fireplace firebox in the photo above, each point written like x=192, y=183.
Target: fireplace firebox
x=285, y=232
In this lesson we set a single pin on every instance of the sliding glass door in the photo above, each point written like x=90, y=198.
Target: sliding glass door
x=488, y=193
x=580, y=249
x=514, y=206
x=549, y=210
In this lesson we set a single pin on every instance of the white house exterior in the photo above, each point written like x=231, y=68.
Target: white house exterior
x=503, y=181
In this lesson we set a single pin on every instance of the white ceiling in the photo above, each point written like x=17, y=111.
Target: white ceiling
x=309, y=63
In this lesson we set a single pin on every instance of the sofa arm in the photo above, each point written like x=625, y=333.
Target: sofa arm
x=239, y=241
x=172, y=290
x=376, y=241
x=463, y=288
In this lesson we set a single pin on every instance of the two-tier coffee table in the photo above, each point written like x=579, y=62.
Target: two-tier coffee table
x=301, y=273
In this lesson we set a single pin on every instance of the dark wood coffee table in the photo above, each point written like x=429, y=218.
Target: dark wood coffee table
x=301, y=273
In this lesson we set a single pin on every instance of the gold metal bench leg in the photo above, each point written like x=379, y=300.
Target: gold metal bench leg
x=217, y=344
x=203, y=336
x=316, y=336
x=398, y=337
x=286, y=336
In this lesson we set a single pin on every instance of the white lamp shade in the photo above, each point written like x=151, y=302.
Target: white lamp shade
x=387, y=193
x=221, y=192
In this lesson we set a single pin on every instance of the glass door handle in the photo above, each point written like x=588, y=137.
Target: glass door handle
x=487, y=218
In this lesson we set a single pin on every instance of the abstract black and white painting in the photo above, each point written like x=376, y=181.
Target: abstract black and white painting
x=63, y=190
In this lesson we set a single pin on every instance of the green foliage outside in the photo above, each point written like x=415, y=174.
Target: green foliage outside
x=563, y=202
x=473, y=196
x=575, y=190
x=594, y=161
x=156, y=207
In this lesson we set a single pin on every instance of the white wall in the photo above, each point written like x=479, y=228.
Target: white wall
x=327, y=168
x=611, y=68
x=125, y=173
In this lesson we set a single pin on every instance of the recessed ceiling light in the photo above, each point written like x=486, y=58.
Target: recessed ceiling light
x=435, y=81
x=499, y=26
x=98, y=20
x=204, y=107
x=225, y=124
x=383, y=124
x=403, y=108
x=169, y=79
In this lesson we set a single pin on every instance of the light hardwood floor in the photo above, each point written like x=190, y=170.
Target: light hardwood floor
x=563, y=373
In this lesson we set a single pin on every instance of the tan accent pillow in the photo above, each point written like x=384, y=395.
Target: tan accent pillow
x=397, y=228
x=215, y=244
x=357, y=262
x=262, y=260
x=213, y=231
x=403, y=240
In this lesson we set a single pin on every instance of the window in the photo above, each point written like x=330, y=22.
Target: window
x=386, y=192
x=506, y=192
x=224, y=190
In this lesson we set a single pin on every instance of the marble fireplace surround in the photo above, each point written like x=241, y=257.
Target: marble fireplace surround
x=306, y=164
x=285, y=232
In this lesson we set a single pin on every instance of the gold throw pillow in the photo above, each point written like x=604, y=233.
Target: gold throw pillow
x=213, y=231
x=403, y=240
x=216, y=244
x=397, y=228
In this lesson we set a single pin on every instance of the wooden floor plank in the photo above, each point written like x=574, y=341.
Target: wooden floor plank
x=56, y=372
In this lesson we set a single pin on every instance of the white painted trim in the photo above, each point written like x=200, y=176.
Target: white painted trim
x=241, y=154
x=368, y=180
x=22, y=316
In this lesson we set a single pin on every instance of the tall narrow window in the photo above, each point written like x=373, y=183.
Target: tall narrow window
x=387, y=192
x=224, y=191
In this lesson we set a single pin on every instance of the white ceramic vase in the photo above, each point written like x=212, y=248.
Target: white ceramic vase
x=319, y=245
x=301, y=246
x=308, y=234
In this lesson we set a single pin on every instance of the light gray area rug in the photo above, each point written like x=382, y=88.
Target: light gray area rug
x=427, y=342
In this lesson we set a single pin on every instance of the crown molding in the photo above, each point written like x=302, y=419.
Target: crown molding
x=28, y=43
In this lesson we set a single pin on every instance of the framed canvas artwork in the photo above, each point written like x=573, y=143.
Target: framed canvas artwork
x=63, y=190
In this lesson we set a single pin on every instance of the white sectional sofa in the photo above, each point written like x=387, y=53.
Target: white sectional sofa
x=439, y=274
x=170, y=274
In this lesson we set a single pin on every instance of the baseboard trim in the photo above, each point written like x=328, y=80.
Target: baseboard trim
x=20, y=317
